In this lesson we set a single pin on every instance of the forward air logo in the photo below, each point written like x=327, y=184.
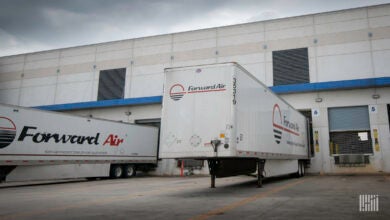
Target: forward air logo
x=7, y=132
x=113, y=140
x=177, y=91
x=281, y=124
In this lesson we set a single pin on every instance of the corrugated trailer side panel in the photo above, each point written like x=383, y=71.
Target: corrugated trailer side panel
x=197, y=108
x=267, y=127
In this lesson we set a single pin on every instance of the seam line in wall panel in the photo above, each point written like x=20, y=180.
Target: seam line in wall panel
x=22, y=79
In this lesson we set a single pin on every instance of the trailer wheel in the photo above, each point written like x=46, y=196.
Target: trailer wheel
x=303, y=169
x=129, y=171
x=299, y=171
x=116, y=171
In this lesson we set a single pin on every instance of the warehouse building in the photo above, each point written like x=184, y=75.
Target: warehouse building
x=334, y=67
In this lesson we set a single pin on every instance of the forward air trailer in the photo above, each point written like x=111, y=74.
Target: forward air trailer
x=36, y=145
x=223, y=114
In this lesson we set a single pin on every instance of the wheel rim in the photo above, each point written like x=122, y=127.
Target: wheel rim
x=118, y=172
x=130, y=171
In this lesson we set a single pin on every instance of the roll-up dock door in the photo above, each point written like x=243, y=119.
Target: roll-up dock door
x=350, y=137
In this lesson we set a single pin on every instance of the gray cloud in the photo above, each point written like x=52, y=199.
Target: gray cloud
x=27, y=25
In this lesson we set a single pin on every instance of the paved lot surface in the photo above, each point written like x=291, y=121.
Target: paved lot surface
x=313, y=197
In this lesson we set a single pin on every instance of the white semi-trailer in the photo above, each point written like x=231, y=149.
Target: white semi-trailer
x=223, y=114
x=36, y=144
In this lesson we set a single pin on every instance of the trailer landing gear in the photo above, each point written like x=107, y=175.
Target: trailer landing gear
x=213, y=169
x=260, y=170
x=4, y=171
x=233, y=167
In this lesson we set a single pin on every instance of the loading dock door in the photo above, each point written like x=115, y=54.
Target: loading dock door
x=350, y=136
x=155, y=122
x=307, y=114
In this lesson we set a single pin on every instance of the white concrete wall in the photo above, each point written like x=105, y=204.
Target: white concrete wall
x=342, y=45
x=339, y=44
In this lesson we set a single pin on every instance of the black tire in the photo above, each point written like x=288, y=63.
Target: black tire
x=298, y=173
x=302, y=169
x=116, y=171
x=129, y=171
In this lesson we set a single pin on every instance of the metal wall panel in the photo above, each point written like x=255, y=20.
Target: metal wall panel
x=290, y=66
x=112, y=84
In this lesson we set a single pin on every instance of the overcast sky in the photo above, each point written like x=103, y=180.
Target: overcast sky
x=36, y=25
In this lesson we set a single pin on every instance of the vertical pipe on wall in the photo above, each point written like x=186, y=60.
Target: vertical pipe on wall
x=94, y=96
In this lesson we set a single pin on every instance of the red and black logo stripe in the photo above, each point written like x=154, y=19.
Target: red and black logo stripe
x=277, y=123
x=7, y=131
x=177, y=92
